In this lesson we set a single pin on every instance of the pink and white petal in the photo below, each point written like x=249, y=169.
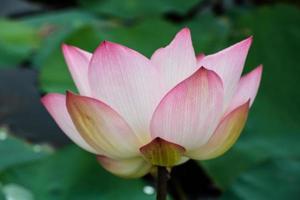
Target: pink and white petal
x=127, y=81
x=177, y=61
x=247, y=88
x=199, y=57
x=126, y=168
x=56, y=106
x=189, y=113
x=102, y=127
x=224, y=136
x=78, y=62
x=228, y=64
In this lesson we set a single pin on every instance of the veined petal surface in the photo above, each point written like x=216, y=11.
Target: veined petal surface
x=177, y=61
x=224, y=136
x=128, y=82
x=56, y=106
x=102, y=127
x=78, y=62
x=247, y=88
x=189, y=113
x=228, y=64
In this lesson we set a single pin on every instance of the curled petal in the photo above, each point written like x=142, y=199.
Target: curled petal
x=126, y=168
x=189, y=113
x=78, y=62
x=247, y=88
x=177, y=61
x=127, y=81
x=102, y=127
x=224, y=136
x=228, y=64
x=56, y=106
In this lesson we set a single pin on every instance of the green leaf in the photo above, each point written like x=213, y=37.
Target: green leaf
x=144, y=37
x=13, y=191
x=137, y=8
x=73, y=174
x=17, y=42
x=54, y=74
x=250, y=151
x=55, y=28
x=71, y=17
x=273, y=125
x=209, y=33
x=14, y=151
x=72, y=27
x=275, y=179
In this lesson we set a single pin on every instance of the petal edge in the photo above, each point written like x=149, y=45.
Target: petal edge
x=127, y=168
x=247, y=88
x=224, y=136
x=189, y=113
x=177, y=60
x=101, y=126
x=56, y=106
x=78, y=61
x=123, y=78
x=228, y=64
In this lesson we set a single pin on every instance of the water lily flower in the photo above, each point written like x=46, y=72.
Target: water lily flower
x=135, y=113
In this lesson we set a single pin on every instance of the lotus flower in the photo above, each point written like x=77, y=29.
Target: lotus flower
x=135, y=113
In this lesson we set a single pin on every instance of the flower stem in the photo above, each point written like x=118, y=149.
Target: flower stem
x=162, y=183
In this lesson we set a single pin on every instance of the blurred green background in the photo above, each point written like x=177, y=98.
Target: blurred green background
x=37, y=162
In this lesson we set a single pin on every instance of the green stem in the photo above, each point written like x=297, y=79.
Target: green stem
x=162, y=183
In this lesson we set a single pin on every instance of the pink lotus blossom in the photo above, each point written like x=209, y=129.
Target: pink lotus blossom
x=135, y=113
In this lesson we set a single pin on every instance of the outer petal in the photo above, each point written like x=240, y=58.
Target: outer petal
x=189, y=113
x=177, y=61
x=228, y=64
x=102, y=127
x=128, y=168
x=224, y=136
x=78, y=62
x=56, y=106
x=127, y=81
x=247, y=88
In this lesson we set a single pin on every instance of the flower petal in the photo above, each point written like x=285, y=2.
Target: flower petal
x=200, y=56
x=247, y=88
x=177, y=61
x=189, y=113
x=127, y=81
x=78, y=62
x=228, y=64
x=127, y=168
x=160, y=152
x=56, y=106
x=102, y=127
x=224, y=136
